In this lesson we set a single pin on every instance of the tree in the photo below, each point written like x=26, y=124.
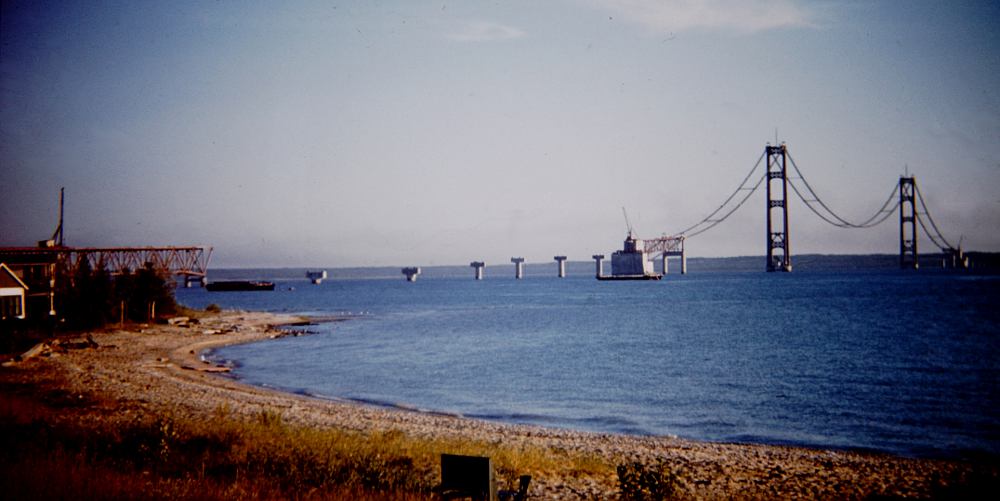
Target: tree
x=102, y=296
x=149, y=289
x=80, y=312
x=89, y=298
x=123, y=290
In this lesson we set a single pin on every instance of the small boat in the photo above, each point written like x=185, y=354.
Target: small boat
x=240, y=285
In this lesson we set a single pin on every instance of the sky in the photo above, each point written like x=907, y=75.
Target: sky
x=423, y=133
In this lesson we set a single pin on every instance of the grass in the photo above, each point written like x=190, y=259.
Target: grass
x=57, y=445
x=53, y=446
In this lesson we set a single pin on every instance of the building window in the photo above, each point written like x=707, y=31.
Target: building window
x=11, y=307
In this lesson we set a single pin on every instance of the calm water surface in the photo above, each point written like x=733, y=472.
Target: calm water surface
x=899, y=362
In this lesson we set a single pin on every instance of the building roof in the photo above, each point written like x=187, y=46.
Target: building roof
x=10, y=279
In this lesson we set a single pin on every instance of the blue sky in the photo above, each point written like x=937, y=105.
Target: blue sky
x=410, y=132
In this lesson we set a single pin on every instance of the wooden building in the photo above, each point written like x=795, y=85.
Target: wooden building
x=13, y=293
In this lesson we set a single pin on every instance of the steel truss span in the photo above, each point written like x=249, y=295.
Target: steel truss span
x=189, y=262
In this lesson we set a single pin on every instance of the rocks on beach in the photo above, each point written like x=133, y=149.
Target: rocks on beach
x=162, y=368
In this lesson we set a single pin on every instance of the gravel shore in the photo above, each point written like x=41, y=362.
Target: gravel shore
x=158, y=369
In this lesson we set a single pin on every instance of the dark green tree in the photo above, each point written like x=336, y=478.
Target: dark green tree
x=80, y=312
x=151, y=288
x=63, y=291
x=85, y=297
x=102, y=295
x=90, y=298
x=123, y=290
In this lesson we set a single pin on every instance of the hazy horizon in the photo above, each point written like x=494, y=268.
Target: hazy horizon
x=424, y=133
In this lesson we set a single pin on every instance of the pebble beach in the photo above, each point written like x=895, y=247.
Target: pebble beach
x=160, y=369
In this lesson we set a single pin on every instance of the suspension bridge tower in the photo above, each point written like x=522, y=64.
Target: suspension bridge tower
x=777, y=238
x=908, y=223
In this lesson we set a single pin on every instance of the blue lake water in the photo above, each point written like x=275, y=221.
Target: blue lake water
x=894, y=361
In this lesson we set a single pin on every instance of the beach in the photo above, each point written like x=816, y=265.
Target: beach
x=159, y=370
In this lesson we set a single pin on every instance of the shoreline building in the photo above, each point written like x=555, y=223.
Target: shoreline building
x=13, y=292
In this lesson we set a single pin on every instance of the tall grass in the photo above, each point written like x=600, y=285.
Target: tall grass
x=45, y=456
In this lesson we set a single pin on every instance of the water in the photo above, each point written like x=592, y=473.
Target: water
x=891, y=361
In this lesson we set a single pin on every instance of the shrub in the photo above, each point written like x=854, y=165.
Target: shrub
x=640, y=482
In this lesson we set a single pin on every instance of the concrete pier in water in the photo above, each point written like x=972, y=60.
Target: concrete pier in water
x=684, y=262
x=411, y=273
x=562, y=265
x=518, y=267
x=478, y=265
x=316, y=277
x=599, y=260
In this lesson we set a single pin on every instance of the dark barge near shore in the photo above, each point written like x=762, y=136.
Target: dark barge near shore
x=240, y=285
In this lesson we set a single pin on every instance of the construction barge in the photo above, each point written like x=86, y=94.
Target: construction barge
x=239, y=285
x=630, y=263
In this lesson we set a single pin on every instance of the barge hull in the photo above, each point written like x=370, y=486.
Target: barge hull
x=630, y=277
x=240, y=285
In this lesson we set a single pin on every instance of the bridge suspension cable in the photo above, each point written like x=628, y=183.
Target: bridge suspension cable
x=887, y=209
x=710, y=221
x=883, y=213
x=815, y=204
x=936, y=237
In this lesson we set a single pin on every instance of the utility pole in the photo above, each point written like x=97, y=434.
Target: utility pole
x=57, y=237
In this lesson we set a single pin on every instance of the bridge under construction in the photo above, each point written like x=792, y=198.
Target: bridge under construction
x=187, y=264
x=38, y=268
x=904, y=197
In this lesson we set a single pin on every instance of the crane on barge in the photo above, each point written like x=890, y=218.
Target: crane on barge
x=631, y=263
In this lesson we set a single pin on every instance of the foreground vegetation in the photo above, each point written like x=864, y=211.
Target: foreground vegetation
x=91, y=298
x=60, y=439
x=59, y=446
x=55, y=445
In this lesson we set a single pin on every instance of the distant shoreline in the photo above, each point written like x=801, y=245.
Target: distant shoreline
x=982, y=262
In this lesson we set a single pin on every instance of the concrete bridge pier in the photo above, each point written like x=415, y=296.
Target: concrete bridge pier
x=190, y=280
x=684, y=261
x=411, y=273
x=562, y=265
x=478, y=265
x=599, y=259
x=518, y=267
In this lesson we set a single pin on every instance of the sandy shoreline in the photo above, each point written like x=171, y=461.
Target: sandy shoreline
x=160, y=371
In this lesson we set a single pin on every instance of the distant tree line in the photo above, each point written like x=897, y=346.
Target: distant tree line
x=89, y=298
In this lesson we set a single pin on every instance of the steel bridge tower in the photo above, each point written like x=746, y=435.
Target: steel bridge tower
x=908, y=218
x=777, y=239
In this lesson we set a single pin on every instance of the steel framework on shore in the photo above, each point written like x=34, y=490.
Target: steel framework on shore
x=191, y=263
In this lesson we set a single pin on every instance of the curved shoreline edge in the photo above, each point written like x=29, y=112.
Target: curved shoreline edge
x=159, y=370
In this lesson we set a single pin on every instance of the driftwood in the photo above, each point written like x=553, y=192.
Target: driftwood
x=214, y=368
x=182, y=321
x=36, y=350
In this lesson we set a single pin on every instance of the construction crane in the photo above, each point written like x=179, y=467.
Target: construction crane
x=628, y=224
